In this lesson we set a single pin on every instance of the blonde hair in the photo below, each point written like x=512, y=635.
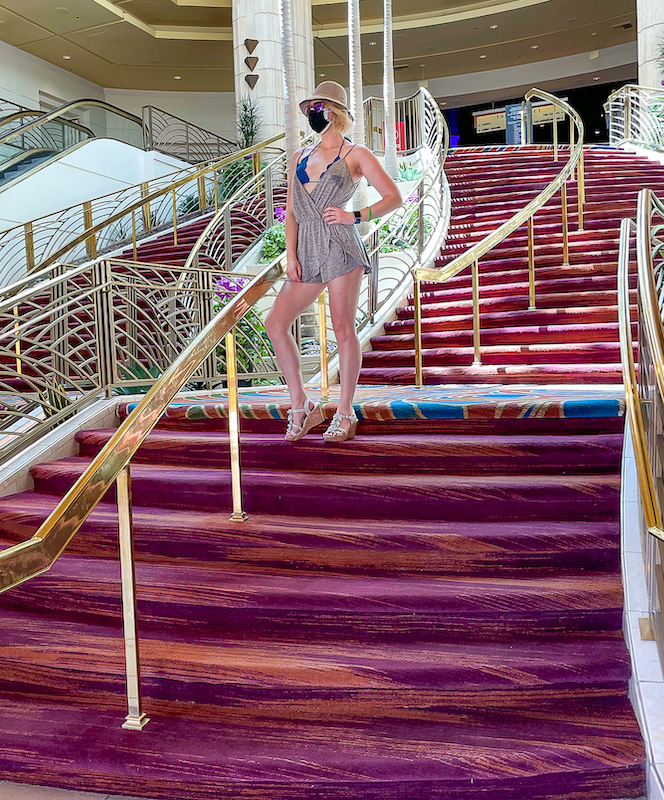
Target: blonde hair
x=341, y=122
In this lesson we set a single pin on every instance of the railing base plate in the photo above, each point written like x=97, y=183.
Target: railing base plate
x=132, y=723
x=238, y=516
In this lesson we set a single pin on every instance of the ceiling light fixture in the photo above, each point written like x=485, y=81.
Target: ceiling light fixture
x=493, y=27
x=535, y=47
x=483, y=56
x=321, y=74
x=66, y=58
x=373, y=44
x=177, y=77
x=596, y=78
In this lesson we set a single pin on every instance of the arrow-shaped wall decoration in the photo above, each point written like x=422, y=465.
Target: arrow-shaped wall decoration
x=251, y=45
x=252, y=80
x=251, y=62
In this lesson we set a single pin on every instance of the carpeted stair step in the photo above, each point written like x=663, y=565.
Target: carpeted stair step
x=527, y=335
x=531, y=354
x=516, y=302
x=243, y=672
x=366, y=546
x=574, y=751
x=431, y=454
x=515, y=373
x=421, y=497
x=288, y=606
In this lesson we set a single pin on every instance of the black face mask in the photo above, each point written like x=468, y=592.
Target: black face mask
x=319, y=120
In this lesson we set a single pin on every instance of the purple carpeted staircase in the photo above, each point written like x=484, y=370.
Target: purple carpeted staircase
x=432, y=611
x=572, y=336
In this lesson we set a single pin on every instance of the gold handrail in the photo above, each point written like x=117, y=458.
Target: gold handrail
x=145, y=201
x=651, y=509
x=36, y=555
x=477, y=251
x=65, y=109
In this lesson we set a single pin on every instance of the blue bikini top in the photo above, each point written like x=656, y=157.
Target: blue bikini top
x=301, y=168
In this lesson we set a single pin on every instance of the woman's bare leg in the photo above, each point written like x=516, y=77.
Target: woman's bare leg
x=291, y=301
x=344, y=295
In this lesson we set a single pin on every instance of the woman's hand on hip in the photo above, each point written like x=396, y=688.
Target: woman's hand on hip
x=294, y=270
x=337, y=216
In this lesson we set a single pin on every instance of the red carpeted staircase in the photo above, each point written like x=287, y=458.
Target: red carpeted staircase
x=572, y=336
x=432, y=610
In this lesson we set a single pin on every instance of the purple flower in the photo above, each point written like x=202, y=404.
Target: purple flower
x=226, y=286
x=413, y=197
x=280, y=213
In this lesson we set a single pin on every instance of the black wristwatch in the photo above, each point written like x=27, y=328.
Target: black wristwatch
x=358, y=217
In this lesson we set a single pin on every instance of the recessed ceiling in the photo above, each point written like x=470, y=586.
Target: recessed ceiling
x=143, y=44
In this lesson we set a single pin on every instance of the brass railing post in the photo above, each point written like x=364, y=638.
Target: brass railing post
x=563, y=200
x=238, y=514
x=477, y=361
x=420, y=218
x=135, y=720
x=202, y=200
x=531, y=262
x=29, y=247
x=216, y=190
x=104, y=326
x=269, y=199
x=628, y=116
x=17, y=343
x=581, y=189
x=417, y=308
x=134, y=244
x=175, y=220
x=322, y=338
x=228, y=240
x=572, y=137
x=91, y=242
x=555, y=134
x=147, y=217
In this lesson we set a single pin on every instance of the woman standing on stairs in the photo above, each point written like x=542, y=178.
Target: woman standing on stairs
x=323, y=248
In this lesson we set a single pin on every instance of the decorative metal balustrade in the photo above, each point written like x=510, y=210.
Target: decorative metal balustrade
x=410, y=113
x=642, y=242
x=471, y=258
x=635, y=114
x=177, y=137
x=68, y=125
x=118, y=220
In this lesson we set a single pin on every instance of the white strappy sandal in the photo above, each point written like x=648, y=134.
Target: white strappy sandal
x=312, y=417
x=335, y=433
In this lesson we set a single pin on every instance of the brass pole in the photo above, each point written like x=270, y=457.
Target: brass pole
x=17, y=346
x=133, y=234
x=563, y=197
x=476, y=314
x=572, y=136
x=29, y=247
x=555, y=134
x=135, y=719
x=147, y=216
x=531, y=261
x=175, y=220
x=91, y=243
x=238, y=514
x=417, y=304
x=581, y=189
x=202, y=199
x=216, y=191
x=322, y=338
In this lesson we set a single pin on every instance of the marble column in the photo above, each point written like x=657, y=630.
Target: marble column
x=650, y=26
x=260, y=20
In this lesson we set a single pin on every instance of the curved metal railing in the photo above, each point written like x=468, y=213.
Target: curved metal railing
x=636, y=114
x=471, y=257
x=178, y=137
x=644, y=385
x=116, y=220
x=84, y=118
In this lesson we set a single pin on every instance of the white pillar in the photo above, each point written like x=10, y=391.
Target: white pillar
x=355, y=94
x=260, y=20
x=390, y=115
x=650, y=26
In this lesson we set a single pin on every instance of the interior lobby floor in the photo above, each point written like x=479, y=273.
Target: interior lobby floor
x=21, y=791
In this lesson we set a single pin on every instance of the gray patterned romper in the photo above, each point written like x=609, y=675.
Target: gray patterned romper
x=326, y=251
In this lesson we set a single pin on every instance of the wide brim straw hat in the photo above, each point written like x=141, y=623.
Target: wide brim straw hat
x=331, y=91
